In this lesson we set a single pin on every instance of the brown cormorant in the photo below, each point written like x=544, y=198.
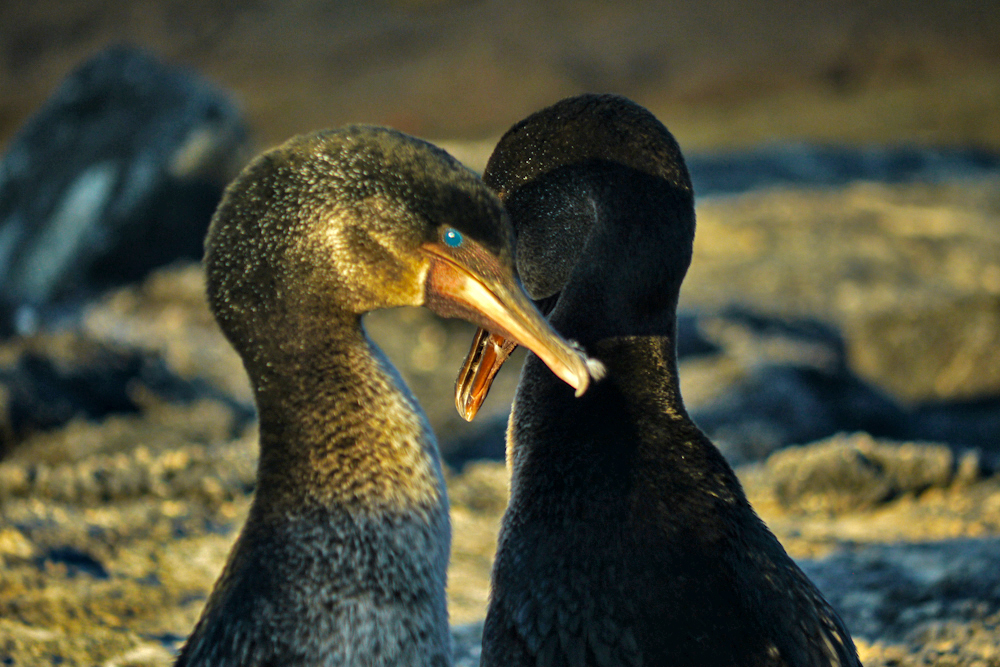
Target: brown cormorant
x=628, y=540
x=342, y=559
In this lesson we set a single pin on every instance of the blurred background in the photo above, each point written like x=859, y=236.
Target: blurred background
x=839, y=325
x=720, y=73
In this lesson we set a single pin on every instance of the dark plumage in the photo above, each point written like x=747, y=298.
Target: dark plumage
x=628, y=539
x=342, y=560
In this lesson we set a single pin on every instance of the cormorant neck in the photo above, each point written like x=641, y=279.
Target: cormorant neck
x=593, y=308
x=339, y=428
x=644, y=370
x=628, y=238
x=617, y=291
x=631, y=420
x=641, y=375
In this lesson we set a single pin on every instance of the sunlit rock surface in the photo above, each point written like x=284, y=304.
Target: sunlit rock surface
x=113, y=528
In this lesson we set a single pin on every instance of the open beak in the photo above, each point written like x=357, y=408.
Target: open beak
x=488, y=353
x=486, y=294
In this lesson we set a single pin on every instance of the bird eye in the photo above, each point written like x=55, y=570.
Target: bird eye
x=452, y=238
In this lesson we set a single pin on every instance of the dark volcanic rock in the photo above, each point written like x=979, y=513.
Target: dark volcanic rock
x=848, y=474
x=47, y=380
x=803, y=165
x=974, y=422
x=793, y=384
x=901, y=592
x=796, y=386
x=781, y=405
x=117, y=173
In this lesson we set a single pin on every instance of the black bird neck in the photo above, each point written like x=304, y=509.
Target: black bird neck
x=632, y=233
x=612, y=241
x=339, y=429
x=634, y=411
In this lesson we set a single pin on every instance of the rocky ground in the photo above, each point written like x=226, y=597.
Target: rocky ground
x=112, y=531
x=838, y=328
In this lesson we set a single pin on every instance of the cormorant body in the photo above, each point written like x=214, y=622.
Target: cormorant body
x=628, y=540
x=343, y=557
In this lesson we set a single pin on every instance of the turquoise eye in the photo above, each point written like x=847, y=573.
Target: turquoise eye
x=452, y=238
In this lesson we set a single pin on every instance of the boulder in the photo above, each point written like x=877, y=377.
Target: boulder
x=118, y=172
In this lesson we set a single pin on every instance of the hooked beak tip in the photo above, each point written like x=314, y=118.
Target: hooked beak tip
x=582, y=370
x=589, y=370
x=596, y=369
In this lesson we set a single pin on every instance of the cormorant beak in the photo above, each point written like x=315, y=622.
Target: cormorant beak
x=488, y=353
x=482, y=291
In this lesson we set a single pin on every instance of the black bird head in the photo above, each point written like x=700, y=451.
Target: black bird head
x=603, y=213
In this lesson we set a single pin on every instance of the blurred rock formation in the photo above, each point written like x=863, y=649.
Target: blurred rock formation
x=117, y=173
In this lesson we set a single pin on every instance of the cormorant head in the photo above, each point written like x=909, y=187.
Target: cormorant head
x=333, y=224
x=601, y=204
